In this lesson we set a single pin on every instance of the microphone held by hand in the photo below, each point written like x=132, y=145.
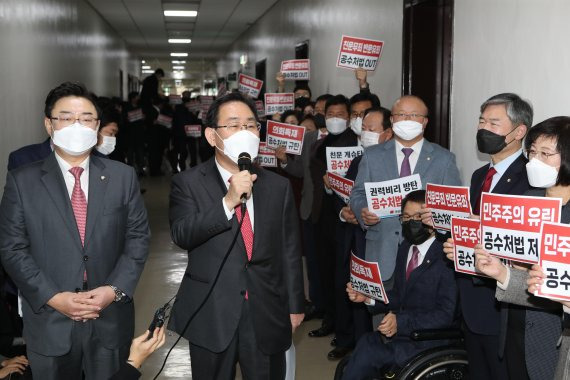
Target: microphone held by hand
x=244, y=163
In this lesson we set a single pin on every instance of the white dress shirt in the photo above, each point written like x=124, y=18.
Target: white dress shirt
x=502, y=167
x=70, y=179
x=249, y=204
x=423, y=248
x=417, y=148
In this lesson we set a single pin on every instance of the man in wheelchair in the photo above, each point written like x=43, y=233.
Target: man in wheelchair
x=424, y=296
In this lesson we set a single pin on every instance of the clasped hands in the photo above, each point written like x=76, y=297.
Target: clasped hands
x=389, y=324
x=83, y=306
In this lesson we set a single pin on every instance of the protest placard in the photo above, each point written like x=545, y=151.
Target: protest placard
x=340, y=158
x=193, y=105
x=288, y=135
x=205, y=103
x=135, y=115
x=555, y=261
x=296, y=69
x=193, y=130
x=447, y=202
x=365, y=278
x=266, y=156
x=466, y=233
x=249, y=85
x=279, y=102
x=510, y=224
x=164, y=120
x=385, y=198
x=341, y=186
x=174, y=99
x=357, y=53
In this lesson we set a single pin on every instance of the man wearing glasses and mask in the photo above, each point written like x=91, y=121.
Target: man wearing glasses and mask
x=258, y=301
x=74, y=238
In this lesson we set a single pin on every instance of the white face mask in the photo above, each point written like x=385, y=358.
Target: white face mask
x=75, y=140
x=336, y=125
x=540, y=174
x=407, y=129
x=368, y=138
x=107, y=146
x=240, y=142
x=356, y=125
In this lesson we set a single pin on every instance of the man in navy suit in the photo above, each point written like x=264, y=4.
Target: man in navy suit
x=424, y=296
x=29, y=153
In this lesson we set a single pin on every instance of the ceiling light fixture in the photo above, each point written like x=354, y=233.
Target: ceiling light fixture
x=178, y=62
x=173, y=13
x=143, y=61
x=179, y=40
x=147, y=71
x=145, y=67
x=179, y=54
x=178, y=67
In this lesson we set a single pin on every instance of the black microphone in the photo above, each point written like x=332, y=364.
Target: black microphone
x=244, y=163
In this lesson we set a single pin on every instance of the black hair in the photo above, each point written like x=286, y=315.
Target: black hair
x=214, y=111
x=324, y=97
x=557, y=128
x=159, y=72
x=386, y=113
x=417, y=196
x=108, y=116
x=303, y=87
x=302, y=103
x=69, y=89
x=133, y=95
x=336, y=100
x=364, y=97
x=286, y=114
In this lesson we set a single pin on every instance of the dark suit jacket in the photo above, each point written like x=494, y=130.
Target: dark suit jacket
x=427, y=300
x=41, y=249
x=480, y=310
x=126, y=372
x=29, y=154
x=273, y=277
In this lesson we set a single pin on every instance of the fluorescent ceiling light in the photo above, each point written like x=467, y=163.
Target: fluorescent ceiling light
x=179, y=54
x=178, y=62
x=146, y=67
x=173, y=13
x=148, y=71
x=178, y=67
x=179, y=40
x=143, y=61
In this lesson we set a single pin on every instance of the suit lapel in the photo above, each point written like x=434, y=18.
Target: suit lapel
x=390, y=161
x=57, y=190
x=424, y=160
x=260, y=200
x=98, y=179
x=511, y=176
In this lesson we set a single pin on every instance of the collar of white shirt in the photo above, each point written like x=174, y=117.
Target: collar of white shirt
x=69, y=179
x=423, y=248
x=417, y=147
x=502, y=166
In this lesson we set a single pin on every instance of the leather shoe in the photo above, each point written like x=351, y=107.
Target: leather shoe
x=338, y=353
x=333, y=342
x=321, y=331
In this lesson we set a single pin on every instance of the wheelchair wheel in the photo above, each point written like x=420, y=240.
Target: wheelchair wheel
x=340, y=367
x=440, y=364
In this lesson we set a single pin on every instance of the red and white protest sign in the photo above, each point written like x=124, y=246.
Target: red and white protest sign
x=174, y=99
x=279, y=103
x=510, y=224
x=193, y=130
x=357, y=53
x=135, y=115
x=555, y=261
x=466, y=233
x=266, y=156
x=288, y=135
x=341, y=186
x=260, y=109
x=164, y=120
x=385, y=198
x=193, y=105
x=365, y=278
x=249, y=85
x=447, y=202
x=205, y=103
x=296, y=69
x=340, y=158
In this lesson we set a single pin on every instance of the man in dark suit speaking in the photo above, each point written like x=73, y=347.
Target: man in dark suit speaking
x=74, y=238
x=258, y=300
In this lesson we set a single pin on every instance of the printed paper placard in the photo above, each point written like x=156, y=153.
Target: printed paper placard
x=341, y=186
x=249, y=85
x=174, y=99
x=510, y=224
x=365, y=278
x=266, y=156
x=288, y=135
x=340, y=158
x=135, y=115
x=357, y=53
x=447, y=202
x=260, y=109
x=193, y=130
x=205, y=103
x=466, y=233
x=279, y=102
x=296, y=69
x=555, y=261
x=164, y=120
x=385, y=198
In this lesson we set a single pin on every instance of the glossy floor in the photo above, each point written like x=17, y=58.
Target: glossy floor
x=160, y=280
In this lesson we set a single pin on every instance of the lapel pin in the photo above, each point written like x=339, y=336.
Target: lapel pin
x=429, y=158
x=428, y=261
x=102, y=178
x=508, y=180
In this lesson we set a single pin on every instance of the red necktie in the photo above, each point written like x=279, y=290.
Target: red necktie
x=485, y=188
x=79, y=203
x=413, y=263
x=246, y=234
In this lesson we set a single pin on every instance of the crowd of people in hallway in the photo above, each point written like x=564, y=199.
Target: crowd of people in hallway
x=74, y=237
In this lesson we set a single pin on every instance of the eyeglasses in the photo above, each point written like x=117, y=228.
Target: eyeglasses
x=233, y=128
x=65, y=120
x=354, y=115
x=543, y=156
x=407, y=218
x=413, y=116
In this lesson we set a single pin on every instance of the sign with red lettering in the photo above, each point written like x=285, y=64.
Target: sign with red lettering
x=365, y=278
x=249, y=85
x=357, y=53
x=164, y=120
x=510, y=224
x=447, y=202
x=193, y=130
x=340, y=158
x=385, y=198
x=279, y=103
x=555, y=261
x=266, y=156
x=466, y=233
x=296, y=69
x=341, y=186
x=205, y=103
x=174, y=99
x=135, y=115
x=260, y=109
x=193, y=105
x=288, y=135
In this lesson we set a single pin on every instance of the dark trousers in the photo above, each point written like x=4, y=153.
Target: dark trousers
x=369, y=358
x=183, y=146
x=253, y=363
x=483, y=355
x=87, y=356
x=315, y=292
x=515, y=347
